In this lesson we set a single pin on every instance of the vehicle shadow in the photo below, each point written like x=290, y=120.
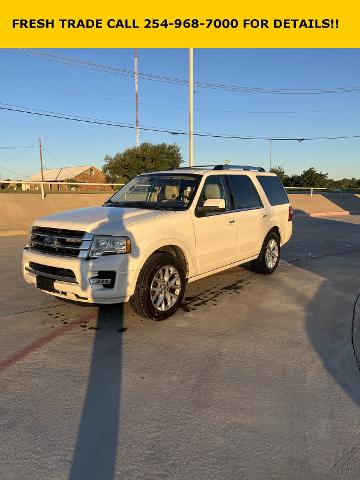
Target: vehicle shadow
x=95, y=449
x=329, y=313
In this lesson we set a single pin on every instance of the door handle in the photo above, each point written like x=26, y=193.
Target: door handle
x=231, y=221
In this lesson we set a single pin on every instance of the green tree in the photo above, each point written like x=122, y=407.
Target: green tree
x=147, y=157
x=349, y=183
x=293, y=181
x=313, y=178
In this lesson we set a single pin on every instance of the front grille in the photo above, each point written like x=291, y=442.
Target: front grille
x=57, y=241
x=53, y=271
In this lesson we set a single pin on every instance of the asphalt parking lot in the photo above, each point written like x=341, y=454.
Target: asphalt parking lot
x=254, y=378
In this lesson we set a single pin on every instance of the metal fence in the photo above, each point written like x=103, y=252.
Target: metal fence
x=310, y=189
x=25, y=186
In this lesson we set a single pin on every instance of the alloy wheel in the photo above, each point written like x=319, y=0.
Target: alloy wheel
x=165, y=288
x=271, y=254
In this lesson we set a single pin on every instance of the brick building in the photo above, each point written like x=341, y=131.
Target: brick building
x=81, y=174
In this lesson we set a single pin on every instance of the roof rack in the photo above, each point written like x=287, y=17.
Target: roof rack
x=224, y=167
x=239, y=167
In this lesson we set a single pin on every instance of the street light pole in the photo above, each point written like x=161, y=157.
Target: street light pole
x=191, y=106
x=270, y=147
x=41, y=170
x=136, y=74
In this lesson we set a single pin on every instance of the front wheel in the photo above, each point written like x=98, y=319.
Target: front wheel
x=269, y=257
x=160, y=287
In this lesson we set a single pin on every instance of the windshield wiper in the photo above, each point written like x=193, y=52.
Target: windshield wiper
x=151, y=206
x=139, y=204
x=111, y=203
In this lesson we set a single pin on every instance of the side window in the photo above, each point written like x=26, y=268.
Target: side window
x=243, y=192
x=273, y=189
x=214, y=187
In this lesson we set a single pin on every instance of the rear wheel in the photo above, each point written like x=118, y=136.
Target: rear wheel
x=160, y=287
x=269, y=257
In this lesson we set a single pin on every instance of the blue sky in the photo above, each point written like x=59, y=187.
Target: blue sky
x=37, y=83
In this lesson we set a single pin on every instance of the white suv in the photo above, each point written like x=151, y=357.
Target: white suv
x=158, y=232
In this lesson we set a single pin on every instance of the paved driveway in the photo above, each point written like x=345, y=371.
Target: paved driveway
x=254, y=378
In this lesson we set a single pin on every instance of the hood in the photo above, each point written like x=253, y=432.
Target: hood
x=99, y=220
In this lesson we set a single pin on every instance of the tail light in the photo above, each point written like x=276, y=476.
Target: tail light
x=291, y=213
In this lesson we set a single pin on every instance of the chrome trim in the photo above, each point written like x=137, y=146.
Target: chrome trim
x=86, y=244
x=77, y=246
x=65, y=237
x=54, y=255
x=88, y=236
x=225, y=212
x=58, y=246
x=49, y=275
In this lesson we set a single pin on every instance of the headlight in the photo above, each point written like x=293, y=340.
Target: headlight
x=108, y=245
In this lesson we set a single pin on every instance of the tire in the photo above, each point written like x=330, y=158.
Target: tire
x=160, y=287
x=268, y=259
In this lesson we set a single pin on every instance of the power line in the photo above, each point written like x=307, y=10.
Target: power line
x=14, y=157
x=56, y=158
x=51, y=163
x=75, y=118
x=11, y=171
x=17, y=155
x=177, y=81
x=17, y=147
x=180, y=107
x=80, y=118
x=51, y=159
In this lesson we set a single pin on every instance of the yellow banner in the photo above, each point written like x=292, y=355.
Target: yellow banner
x=25, y=24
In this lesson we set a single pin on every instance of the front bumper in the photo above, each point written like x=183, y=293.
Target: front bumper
x=79, y=289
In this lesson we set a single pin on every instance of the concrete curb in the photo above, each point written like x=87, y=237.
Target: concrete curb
x=323, y=214
x=330, y=214
x=13, y=233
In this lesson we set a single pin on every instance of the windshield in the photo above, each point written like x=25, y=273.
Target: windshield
x=157, y=191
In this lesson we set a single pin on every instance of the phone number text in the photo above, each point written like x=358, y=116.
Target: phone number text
x=191, y=23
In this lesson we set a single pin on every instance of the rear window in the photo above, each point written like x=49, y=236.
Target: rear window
x=243, y=192
x=274, y=189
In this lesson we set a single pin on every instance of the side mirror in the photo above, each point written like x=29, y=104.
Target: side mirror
x=212, y=205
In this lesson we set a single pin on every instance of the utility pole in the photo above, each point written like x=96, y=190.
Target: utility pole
x=191, y=106
x=270, y=147
x=42, y=170
x=136, y=73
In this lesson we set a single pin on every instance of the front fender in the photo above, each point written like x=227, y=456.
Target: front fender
x=160, y=243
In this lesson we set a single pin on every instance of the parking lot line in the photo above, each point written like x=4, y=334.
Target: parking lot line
x=44, y=340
